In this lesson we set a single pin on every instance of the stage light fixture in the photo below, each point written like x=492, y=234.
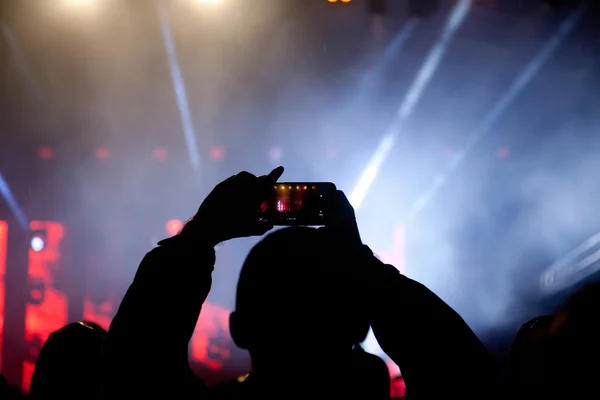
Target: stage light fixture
x=38, y=241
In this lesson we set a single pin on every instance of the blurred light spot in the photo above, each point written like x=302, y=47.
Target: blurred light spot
x=331, y=154
x=45, y=152
x=447, y=152
x=503, y=152
x=217, y=153
x=174, y=226
x=37, y=243
x=102, y=153
x=346, y=1
x=332, y=1
x=160, y=153
x=275, y=154
x=208, y=1
x=37, y=295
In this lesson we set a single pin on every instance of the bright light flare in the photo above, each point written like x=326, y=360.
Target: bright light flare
x=37, y=244
x=208, y=1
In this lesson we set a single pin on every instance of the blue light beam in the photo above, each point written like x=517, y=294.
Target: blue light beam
x=179, y=87
x=520, y=82
x=12, y=203
x=428, y=69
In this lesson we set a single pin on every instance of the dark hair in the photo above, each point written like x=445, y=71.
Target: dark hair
x=295, y=274
x=70, y=362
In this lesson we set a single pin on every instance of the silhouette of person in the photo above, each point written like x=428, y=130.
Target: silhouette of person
x=295, y=315
x=304, y=297
x=560, y=359
x=370, y=376
x=10, y=392
x=70, y=363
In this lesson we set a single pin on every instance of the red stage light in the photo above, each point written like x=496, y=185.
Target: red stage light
x=48, y=310
x=503, y=152
x=102, y=153
x=45, y=152
x=174, y=226
x=3, y=255
x=160, y=153
x=217, y=153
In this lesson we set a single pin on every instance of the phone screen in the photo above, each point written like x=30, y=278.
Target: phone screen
x=296, y=203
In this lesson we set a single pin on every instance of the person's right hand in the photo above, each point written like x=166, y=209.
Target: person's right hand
x=231, y=209
x=340, y=221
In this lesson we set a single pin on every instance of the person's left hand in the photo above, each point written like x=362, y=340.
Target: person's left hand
x=231, y=209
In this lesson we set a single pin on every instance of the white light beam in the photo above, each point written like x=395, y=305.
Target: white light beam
x=430, y=65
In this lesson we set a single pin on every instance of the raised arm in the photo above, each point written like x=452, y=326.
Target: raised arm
x=435, y=349
x=149, y=336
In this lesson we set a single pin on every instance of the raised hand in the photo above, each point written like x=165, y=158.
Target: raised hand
x=231, y=209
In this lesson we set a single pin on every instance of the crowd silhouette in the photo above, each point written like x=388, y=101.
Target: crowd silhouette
x=305, y=300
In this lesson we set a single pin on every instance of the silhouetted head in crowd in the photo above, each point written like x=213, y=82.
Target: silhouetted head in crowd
x=564, y=363
x=574, y=337
x=9, y=392
x=370, y=376
x=294, y=306
x=70, y=363
x=526, y=357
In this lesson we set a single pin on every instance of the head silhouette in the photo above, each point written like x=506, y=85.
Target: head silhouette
x=574, y=349
x=294, y=299
x=370, y=376
x=555, y=357
x=70, y=363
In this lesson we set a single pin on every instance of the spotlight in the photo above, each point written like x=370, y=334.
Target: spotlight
x=217, y=153
x=38, y=241
x=102, y=153
x=174, y=226
x=45, y=152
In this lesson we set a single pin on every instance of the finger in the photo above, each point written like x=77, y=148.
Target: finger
x=274, y=175
x=266, y=181
x=337, y=207
x=344, y=202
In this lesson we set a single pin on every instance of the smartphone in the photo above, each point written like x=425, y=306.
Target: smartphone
x=296, y=203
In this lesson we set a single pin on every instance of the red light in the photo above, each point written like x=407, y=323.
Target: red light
x=503, y=152
x=217, y=153
x=45, y=152
x=174, y=226
x=160, y=153
x=3, y=255
x=210, y=345
x=50, y=313
x=102, y=153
